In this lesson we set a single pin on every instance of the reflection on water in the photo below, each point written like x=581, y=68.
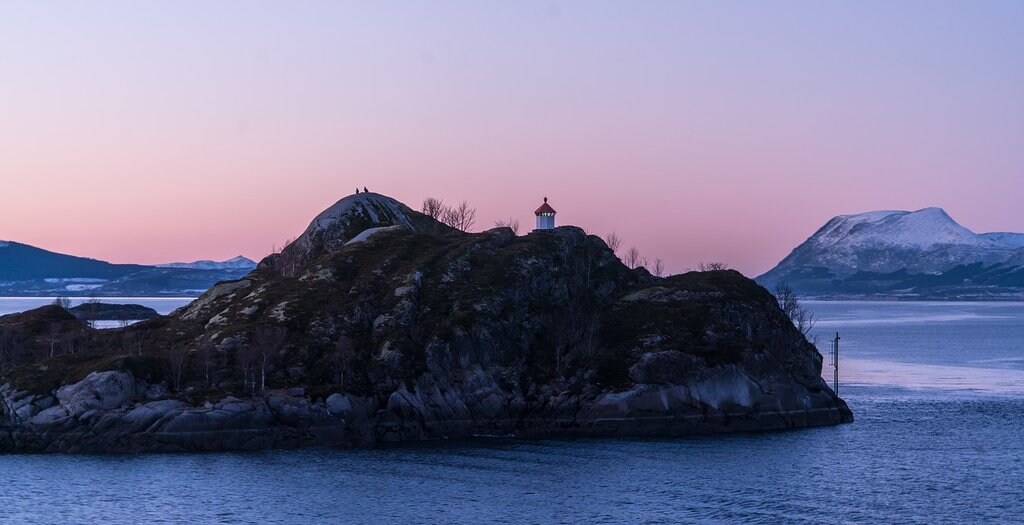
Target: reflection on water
x=974, y=338
x=1001, y=381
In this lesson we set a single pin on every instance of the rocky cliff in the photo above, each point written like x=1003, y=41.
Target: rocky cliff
x=381, y=325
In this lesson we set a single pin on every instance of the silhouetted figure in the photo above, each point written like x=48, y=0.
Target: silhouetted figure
x=365, y=190
x=357, y=191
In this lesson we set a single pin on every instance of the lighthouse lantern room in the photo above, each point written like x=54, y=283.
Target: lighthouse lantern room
x=545, y=216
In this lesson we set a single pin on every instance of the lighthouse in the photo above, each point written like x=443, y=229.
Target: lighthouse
x=545, y=216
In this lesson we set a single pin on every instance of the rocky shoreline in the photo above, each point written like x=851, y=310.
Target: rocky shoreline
x=416, y=332
x=108, y=413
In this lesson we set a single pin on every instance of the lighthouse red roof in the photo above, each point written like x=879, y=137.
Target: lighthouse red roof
x=545, y=208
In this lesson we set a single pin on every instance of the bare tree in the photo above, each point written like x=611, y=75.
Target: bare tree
x=433, y=208
x=460, y=217
x=92, y=311
x=511, y=223
x=613, y=241
x=659, y=267
x=339, y=359
x=712, y=266
x=790, y=305
x=632, y=258
x=287, y=261
x=54, y=333
x=248, y=355
x=267, y=341
x=177, y=360
x=204, y=356
x=63, y=302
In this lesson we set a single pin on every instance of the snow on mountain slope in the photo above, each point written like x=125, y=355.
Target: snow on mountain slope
x=235, y=263
x=1008, y=239
x=926, y=241
x=919, y=229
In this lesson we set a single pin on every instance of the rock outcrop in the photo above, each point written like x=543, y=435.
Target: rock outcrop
x=382, y=325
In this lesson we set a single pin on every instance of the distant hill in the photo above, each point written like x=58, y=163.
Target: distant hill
x=31, y=271
x=236, y=263
x=21, y=262
x=923, y=254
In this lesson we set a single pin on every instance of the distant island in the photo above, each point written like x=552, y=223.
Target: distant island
x=28, y=271
x=97, y=311
x=916, y=255
x=381, y=324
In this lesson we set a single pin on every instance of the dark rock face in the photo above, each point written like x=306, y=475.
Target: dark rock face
x=409, y=334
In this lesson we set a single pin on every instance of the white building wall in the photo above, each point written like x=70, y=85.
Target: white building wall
x=545, y=222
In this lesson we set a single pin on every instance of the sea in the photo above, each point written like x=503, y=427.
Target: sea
x=937, y=389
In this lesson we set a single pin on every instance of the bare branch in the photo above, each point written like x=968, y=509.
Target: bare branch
x=510, y=223
x=613, y=241
x=712, y=266
x=632, y=258
x=433, y=208
x=790, y=305
x=460, y=217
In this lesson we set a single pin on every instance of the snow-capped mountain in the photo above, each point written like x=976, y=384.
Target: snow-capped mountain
x=235, y=263
x=902, y=252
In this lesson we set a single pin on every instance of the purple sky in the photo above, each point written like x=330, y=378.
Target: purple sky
x=715, y=131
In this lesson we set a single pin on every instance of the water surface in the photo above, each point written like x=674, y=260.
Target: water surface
x=935, y=387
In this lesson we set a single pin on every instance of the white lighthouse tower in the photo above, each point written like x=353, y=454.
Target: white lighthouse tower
x=545, y=216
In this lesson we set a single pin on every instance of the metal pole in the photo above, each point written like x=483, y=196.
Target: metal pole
x=835, y=359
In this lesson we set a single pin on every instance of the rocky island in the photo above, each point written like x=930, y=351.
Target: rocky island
x=380, y=324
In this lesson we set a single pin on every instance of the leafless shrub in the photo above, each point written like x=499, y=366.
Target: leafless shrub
x=613, y=241
x=460, y=217
x=659, y=267
x=712, y=266
x=790, y=305
x=132, y=342
x=632, y=258
x=339, y=359
x=177, y=360
x=63, y=302
x=510, y=223
x=54, y=333
x=433, y=207
x=204, y=359
x=267, y=341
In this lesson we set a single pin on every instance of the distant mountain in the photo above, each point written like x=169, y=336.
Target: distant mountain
x=236, y=263
x=902, y=254
x=20, y=262
x=30, y=271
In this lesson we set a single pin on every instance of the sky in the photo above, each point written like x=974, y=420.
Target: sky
x=696, y=131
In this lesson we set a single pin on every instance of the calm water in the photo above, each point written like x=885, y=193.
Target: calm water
x=163, y=305
x=937, y=389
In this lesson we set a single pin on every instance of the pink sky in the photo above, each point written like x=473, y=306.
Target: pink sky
x=697, y=132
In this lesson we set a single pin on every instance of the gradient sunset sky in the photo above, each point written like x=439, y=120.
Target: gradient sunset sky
x=698, y=131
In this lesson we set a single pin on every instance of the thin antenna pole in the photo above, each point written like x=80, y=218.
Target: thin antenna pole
x=835, y=364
